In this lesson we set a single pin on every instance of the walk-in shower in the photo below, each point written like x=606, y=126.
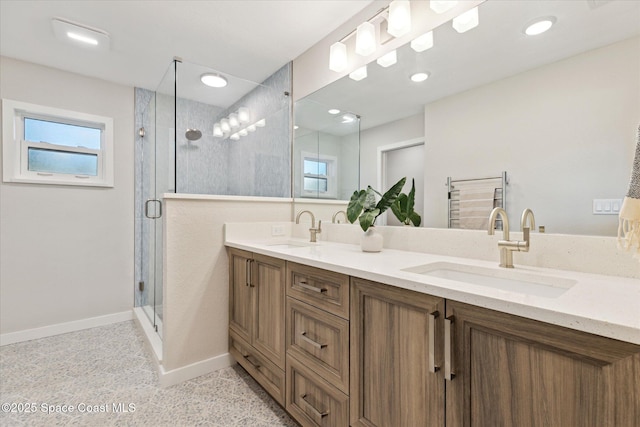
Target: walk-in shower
x=197, y=139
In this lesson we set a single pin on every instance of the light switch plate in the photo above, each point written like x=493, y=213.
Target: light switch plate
x=606, y=206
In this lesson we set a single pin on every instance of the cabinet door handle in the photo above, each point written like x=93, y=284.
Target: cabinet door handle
x=432, y=342
x=317, y=413
x=448, y=343
x=317, y=345
x=304, y=284
x=248, y=358
x=248, y=274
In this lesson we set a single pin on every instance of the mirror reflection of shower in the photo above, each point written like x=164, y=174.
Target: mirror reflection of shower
x=193, y=134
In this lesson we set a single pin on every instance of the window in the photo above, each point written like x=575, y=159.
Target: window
x=319, y=175
x=51, y=146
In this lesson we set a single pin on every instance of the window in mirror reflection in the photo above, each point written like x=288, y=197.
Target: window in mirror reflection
x=319, y=177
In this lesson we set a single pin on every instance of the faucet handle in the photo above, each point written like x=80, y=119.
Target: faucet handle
x=319, y=229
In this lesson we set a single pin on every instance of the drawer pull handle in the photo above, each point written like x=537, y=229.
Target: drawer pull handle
x=448, y=369
x=317, y=345
x=248, y=358
x=432, y=342
x=317, y=413
x=304, y=284
x=248, y=274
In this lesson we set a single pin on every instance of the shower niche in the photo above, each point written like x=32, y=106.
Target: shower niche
x=234, y=139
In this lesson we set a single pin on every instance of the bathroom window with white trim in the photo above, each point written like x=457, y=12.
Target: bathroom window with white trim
x=47, y=145
x=319, y=175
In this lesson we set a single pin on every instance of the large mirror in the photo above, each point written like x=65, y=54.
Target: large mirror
x=558, y=112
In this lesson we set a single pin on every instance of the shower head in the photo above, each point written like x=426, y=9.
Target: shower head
x=193, y=134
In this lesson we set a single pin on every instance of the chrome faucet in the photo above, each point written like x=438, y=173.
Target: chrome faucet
x=313, y=230
x=335, y=215
x=508, y=246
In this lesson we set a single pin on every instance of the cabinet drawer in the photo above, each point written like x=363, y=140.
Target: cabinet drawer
x=320, y=340
x=323, y=289
x=311, y=400
x=270, y=377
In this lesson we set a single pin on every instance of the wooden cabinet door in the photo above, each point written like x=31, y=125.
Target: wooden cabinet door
x=240, y=294
x=511, y=371
x=268, y=281
x=391, y=384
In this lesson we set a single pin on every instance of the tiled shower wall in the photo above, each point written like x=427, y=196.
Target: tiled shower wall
x=258, y=164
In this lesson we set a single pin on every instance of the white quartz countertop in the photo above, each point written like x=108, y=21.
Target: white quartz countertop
x=604, y=305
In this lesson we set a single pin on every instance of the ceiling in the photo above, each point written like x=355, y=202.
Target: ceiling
x=250, y=39
x=496, y=49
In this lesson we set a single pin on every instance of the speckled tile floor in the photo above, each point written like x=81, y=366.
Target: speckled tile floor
x=107, y=376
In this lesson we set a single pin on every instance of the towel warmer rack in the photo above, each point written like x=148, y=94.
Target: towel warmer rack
x=497, y=183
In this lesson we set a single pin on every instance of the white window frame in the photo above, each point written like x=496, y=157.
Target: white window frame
x=15, y=149
x=332, y=176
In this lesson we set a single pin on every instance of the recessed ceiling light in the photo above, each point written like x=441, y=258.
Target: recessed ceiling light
x=348, y=118
x=334, y=111
x=296, y=127
x=539, y=26
x=419, y=77
x=213, y=80
x=81, y=35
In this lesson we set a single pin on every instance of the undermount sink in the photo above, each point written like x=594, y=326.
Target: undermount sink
x=503, y=279
x=290, y=245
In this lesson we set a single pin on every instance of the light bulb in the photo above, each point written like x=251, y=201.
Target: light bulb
x=423, y=42
x=366, y=39
x=224, y=125
x=217, y=130
x=338, y=57
x=243, y=115
x=359, y=73
x=261, y=123
x=243, y=132
x=251, y=128
x=388, y=59
x=233, y=120
x=235, y=137
x=466, y=21
x=399, y=18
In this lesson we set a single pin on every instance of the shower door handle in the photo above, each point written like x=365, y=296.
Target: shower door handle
x=146, y=208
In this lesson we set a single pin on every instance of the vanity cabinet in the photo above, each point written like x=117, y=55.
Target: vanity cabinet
x=394, y=334
x=317, y=340
x=257, y=317
x=509, y=370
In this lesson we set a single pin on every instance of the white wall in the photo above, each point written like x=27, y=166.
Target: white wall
x=557, y=130
x=66, y=253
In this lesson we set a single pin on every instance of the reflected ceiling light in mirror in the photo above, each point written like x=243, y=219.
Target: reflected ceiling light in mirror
x=224, y=125
x=213, y=80
x=334, y=111
x=233, y=120
x=261, y=123
x=251, y=128
x=419, y=77
x=366, y=40
x=399, y=22
x=423, y=42
x=539, y=26
x=79, y=34
x=235, y=137
x=348, y=118
x=388, y=59
x=296, y=127
x=359, y=73
x=243, y=132
x=217, y=131
x=243, y=115
x=441, y=6
x=338, y=57
x=466, y=21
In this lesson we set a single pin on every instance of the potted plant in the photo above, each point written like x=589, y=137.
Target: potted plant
x=402, y=208
x=363, y=206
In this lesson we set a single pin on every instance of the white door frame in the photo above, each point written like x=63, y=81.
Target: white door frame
x=382, y=167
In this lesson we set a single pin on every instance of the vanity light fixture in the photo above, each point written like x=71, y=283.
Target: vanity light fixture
x=217, y=131
x=366, y=39
x=539, y=26
x=441, y=6
x=419, y=77
x=359, y=73
x=234, y=137
x=213, y=80
x=243, y=132
x=388, y=59
x=399, y=22
x=79, y=34
x=338, y=57
x=233, y=121
x=334, y=111
x=224, y=125
x=466, y=21
x=243, y=115
x=251, y=128
x=261, y=123
x=423, y=42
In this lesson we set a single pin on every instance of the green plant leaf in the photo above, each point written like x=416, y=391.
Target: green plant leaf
x=415, y=219
x=399, y=207
x=370, y=199
x=390, y=196
x=356, y=204
x=368, y=218
x=411, y=198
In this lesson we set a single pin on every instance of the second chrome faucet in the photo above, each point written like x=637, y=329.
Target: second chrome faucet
x=507, y=246
x=313, y=230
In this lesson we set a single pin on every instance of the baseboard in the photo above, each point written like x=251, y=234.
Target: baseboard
x=63, y=328
x=151, y=337
x=176, y=376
